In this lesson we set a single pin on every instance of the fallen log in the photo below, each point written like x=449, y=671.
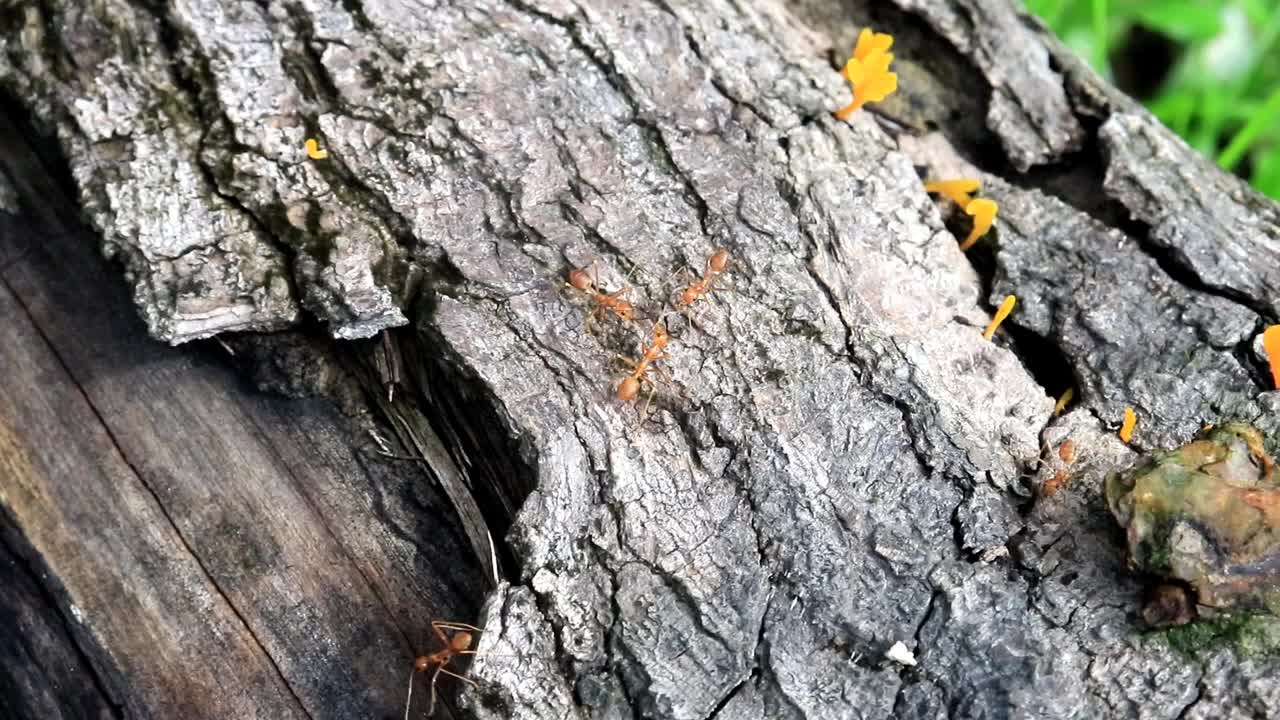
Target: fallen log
x=835, y=506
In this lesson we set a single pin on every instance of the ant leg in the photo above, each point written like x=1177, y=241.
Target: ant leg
x=687, y=311
x=595, y=317
x=694, y=318
x=626, y=284
x=617, y=294
x=666, y=377
x=686, y=272
x=712, y=287
x=684, y=276
x=644, y=414
x=670, y=381
x=436, y=676
x=431, y=709
x=408, y=700
x=466, y=680
x=450, y=625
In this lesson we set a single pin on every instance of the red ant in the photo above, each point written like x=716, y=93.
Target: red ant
x=716, y=264
x=459, y=643
x=629, y=388
x=614, y=302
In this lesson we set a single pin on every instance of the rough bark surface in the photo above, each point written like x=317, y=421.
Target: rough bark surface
x=840, y=462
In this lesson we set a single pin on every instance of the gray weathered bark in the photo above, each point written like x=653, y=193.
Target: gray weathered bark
x=841, y=462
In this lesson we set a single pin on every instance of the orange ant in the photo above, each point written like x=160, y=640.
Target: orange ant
x=614, y=302
x=459, y=643
x=716, y=264
x=629, y=388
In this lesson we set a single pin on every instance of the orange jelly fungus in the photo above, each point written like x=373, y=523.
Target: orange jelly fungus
x=959, y=191
x=1006, y=307
x=868, y=71
x=1271, y=344
x=313, y=150
x=984, y=214
x=1063, y=400
x=1126, y=427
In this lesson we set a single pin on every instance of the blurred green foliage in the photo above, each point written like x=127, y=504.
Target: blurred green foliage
x=1213, y=69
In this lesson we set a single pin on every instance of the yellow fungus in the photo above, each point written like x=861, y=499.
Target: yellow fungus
x=870, y=41
x=1271, y=344
x=1006, y=307
x=958, y=191
x=1126, y=427
x=984, y=214
x=868, y=71
x=313, y=150
x=1063, y=400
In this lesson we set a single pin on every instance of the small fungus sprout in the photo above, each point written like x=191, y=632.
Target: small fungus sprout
x=1126, y=427
x=984, y=214
x=868, y=71
x=1006, y=307
x=958, y=191
x=313, y=150
x=1063, y=400
x=1271, y=344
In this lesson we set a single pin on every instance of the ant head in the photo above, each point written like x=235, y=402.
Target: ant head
x=580, y=279
x=460, y=641
x=628, y=389
x=718, y=261
x=688, y=297
x=422, y=663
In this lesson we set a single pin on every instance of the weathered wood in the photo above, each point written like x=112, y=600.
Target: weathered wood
x=840, y=464
x=213, y=552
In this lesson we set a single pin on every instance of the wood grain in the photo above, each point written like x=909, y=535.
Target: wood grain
x=214, y=552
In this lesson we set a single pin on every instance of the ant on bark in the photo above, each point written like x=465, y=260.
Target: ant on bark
x=615, y=302
x=629, y=388
x=459, y=643
x=716, y=264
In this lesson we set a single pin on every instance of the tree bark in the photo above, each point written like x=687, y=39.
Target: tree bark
x=838, y=463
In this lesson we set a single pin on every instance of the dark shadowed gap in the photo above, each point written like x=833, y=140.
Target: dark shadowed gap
x=464, y=414
x=46, y=667
x=16, y=122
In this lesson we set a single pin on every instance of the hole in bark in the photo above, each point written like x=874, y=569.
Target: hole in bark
x=1043, y=359
x=464, y=416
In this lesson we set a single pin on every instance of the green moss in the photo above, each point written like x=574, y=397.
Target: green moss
x=1155, y=558
x=1244, y=633
x=1152, y=552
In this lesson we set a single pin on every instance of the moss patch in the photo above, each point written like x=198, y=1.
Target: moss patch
x=1246, y=634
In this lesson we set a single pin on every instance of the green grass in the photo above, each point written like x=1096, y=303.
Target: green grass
x=1222, y=91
